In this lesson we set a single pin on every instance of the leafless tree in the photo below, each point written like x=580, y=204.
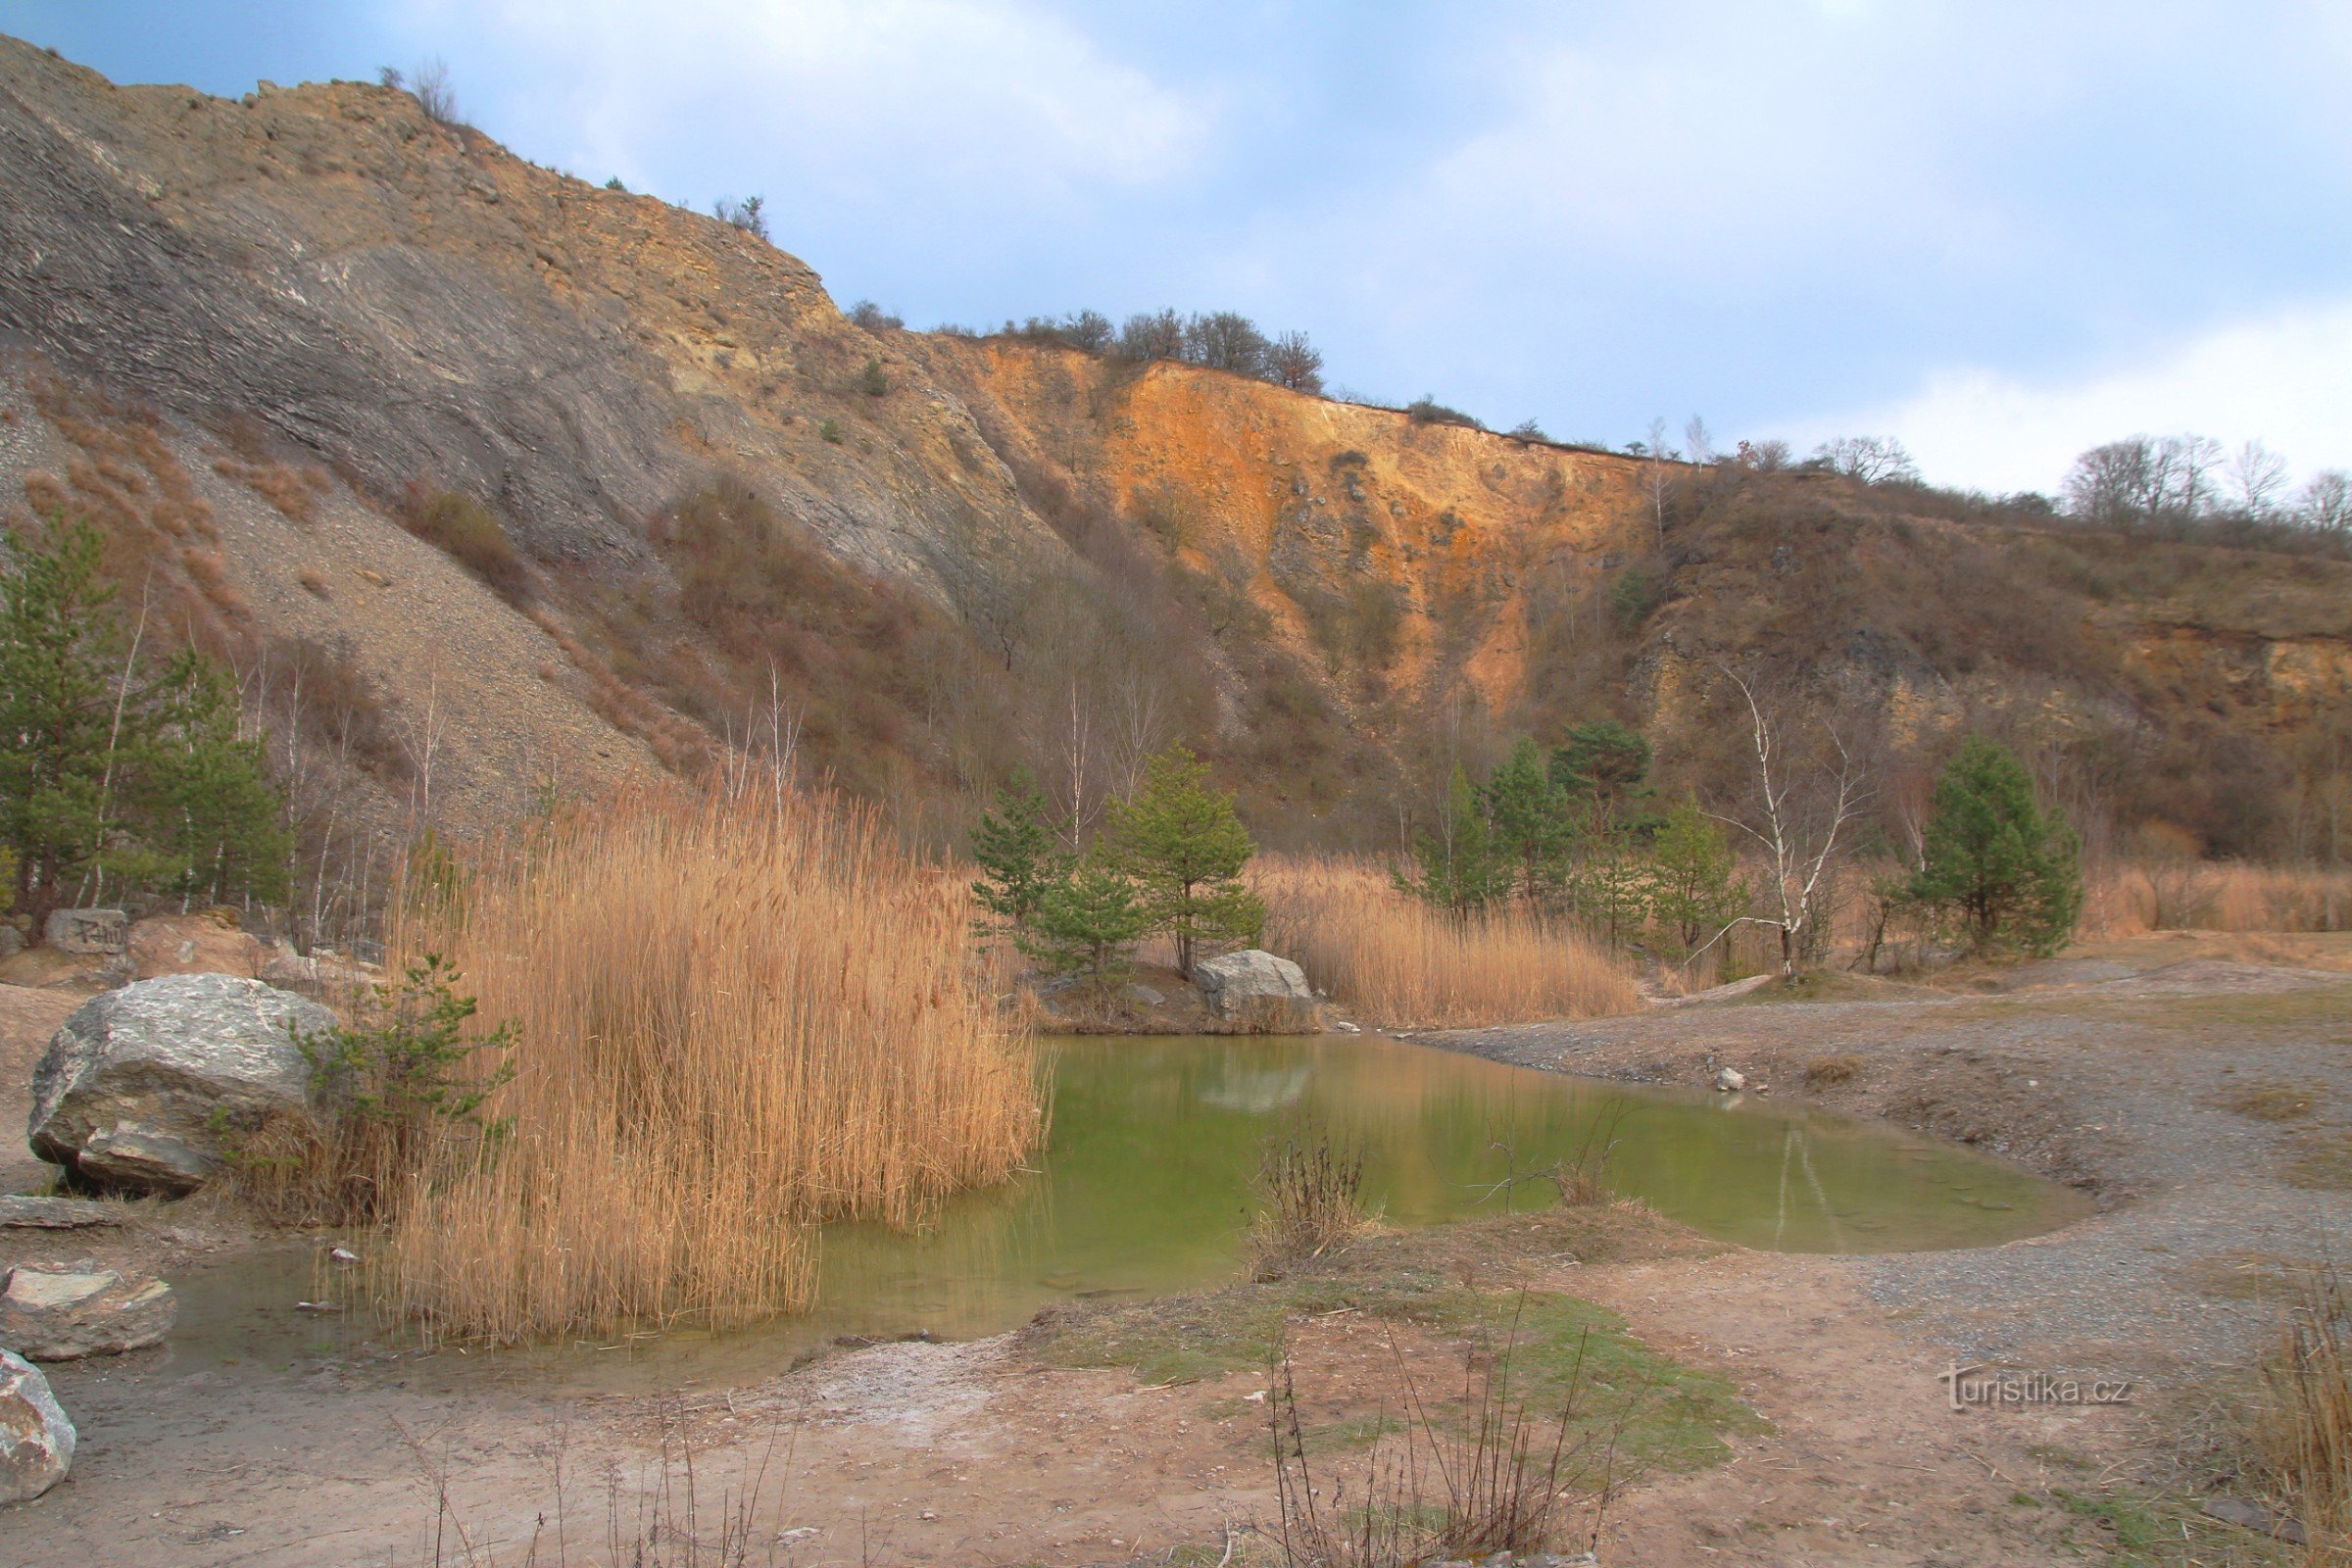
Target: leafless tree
x=2326, y=501
x=2146, y=481
x=429, y=81
x=1799, y=817
x=1653, y=476
x=1700, y=445
x=1295, y=362
x=1871, y=458
x=2258, y=475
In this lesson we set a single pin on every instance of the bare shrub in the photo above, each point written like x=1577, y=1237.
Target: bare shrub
x=430, y=84
x=2304, y=1425
x=471, y=534
x=1826, y=1072
x=1309, y=1193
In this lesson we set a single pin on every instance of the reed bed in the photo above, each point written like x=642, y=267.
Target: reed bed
x=734, y=1020
x=2129, y=898
x=2305, y=1422
x=1395, y=960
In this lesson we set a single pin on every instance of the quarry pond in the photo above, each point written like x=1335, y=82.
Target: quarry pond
x=1144, y=1189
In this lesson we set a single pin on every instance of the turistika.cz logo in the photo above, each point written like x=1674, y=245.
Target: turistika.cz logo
x=1980, y=1387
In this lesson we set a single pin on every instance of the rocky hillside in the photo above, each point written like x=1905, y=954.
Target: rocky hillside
x=494, y=483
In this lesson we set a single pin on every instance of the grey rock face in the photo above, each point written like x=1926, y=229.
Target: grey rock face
x=88, y=931
x=18, y=1212
x=1252, y=981
x=62, y=1314
x=136, y=1088
x=37, y=1440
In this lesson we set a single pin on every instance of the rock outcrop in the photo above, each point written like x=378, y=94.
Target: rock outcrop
x=1257, y=988
x=37, y=1440
x=141, y=1086
x=63, y=1315
x=192, y=944
x=88, y=933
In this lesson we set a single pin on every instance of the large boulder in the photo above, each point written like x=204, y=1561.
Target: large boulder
x=206, y=943
x=63, y=1315
x=1253, y=987
x=37, y=1440
x=141, y=1086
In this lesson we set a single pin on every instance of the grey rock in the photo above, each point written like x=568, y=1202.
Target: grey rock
x=37, y=1440
x=63, y=1315
x=1145, y=995
x=2255, y=1517
x=19, y=1212
x=86, y=932
x=137, y=1088
x=1238, y=983
x=1730, y=1080
x=12, y=942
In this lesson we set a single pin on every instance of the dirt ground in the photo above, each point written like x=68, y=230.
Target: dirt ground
x=2203, y=1096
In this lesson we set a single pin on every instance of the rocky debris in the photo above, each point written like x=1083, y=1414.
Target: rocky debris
x=141, y=1086
x=319, y=974
x=1255, y=982
x=191, y=944
x=12, y=942
x=2255, y=1517
x=18, y=1212
x=37, y=1440
x=1730, y=1080
x=88, y=933
x=65, y=1313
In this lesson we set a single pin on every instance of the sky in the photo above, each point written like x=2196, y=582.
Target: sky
x=1998, y=231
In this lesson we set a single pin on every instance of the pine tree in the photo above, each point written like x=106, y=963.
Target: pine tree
x=1696, y=887
x=1178, y=840
x=1992, y=857
x=1086, y=923
x=116, y=767
x=1531, y=831
x=1015, y=848
x=1602, y=763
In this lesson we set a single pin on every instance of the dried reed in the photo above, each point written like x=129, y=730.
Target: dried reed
x=1309, y=1193
x=1397, y=961
x=735, y=1020
x=2306, y=1431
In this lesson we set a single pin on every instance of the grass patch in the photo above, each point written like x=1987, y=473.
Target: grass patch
x=2270, y=1102
x=1826, y=1072
x=2321, y=1161
x=2129, y=1527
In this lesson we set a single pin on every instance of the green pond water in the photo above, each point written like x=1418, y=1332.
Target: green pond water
x=1144, y=1189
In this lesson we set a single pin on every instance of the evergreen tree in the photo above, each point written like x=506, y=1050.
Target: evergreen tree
x=1695, y=886
x=1604, y=765
x=1992, y=857
x=111, y=765
x=1178, y=840
x=1459, y=868
x=1086, y=923
x=1016, y=849
x=1530, y=826
x=1613, y=888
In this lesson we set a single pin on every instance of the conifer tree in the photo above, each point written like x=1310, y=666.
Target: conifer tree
x=1695, y=886
x=1992, y=856
x=1602, y=763
x=1459, y=869
x=1015, y=847
x=1178, y=840
x=1086, y=923
x=1531, y=830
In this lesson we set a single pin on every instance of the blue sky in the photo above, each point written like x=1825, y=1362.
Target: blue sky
x=2000, y=232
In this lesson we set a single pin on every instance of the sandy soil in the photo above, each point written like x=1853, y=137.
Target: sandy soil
x=2119, y=1073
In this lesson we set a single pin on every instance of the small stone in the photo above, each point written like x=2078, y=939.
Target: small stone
x=37, y=1440
x=1730, y=1080
x=54, y=1213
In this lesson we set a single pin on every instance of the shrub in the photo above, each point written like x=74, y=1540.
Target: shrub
x=1428, y=411
x=748, y=215
x=1308, y=1204
x=873, y=380
x=868, y=316
x=829, y=433
x=434, y=94
x=471, y=535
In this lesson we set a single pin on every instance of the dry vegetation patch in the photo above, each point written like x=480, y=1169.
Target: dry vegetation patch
x=733, y=1020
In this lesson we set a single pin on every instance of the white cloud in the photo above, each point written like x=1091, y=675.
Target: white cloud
x=873, y=101
x=2285, y=380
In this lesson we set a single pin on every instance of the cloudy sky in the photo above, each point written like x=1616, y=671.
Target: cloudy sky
x=2001, y=231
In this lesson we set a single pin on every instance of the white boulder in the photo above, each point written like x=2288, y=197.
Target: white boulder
x=1255, y=986
x=141, y=1086
x=63, y=1315
x=37, y=1440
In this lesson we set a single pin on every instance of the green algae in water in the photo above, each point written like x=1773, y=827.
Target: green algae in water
x=1145, y=1189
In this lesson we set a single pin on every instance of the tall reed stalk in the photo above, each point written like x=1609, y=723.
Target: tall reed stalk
x=1399, y=961
x=734, y=1019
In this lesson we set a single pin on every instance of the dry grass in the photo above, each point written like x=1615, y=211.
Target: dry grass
x=735, y=1020
x=1395, y=960
x=2270, y=1102
x=2305, y=1427
x=2131, y=898
x=1826, y=1072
